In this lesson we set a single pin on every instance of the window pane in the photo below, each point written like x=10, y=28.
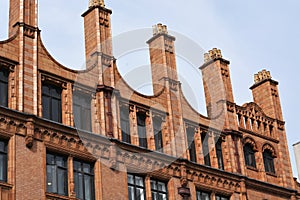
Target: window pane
x=62, y=181
x=130, y=193
x=56, y=110
x=60, y=161
x=3, y=167
x=46, y=107
x=161, y=186
x=140, y=194
x=51, y=179
x=130, y=179
x=139, y=181
x=88, y=187
x=153, y=185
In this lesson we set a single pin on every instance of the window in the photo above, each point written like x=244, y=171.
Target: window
x=57, y=176
x=269, y=161
x=84, y=180
x=202, y=195
x=191, y=144
x=158, y=190
x=205, y=149
x=51, y=100
x=4, y=87
x=125, y=125
x=82, y=111
x=219, y=154
x=220, y=197
x=136, y=187
x=249, y=155
x=157, y=134
x=141, y=122
x=3, y=161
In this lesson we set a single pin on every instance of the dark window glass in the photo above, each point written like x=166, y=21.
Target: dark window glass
x=191, y=144
x=57, y=176
x=51, y=100
x=141, y=122
x=219, y=154
x=84, y=180
x=82, y=111
x=249, y=155
x=4, y=87
x=3, y=161
x=157, y=134
x=202, y=195
x=125, y=125
x=220, y=197
x=269, y=161
x=159, y=190
x=205, y=149
x=136, y=187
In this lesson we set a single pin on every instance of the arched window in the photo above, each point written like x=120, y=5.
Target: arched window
x=268, y=161
x=249, y=155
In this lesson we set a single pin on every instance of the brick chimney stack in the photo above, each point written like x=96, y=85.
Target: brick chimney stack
x=216, y=80
x=265, y=94
x=162, y=57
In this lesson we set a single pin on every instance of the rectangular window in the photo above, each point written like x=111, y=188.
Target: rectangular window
x=157, y=134
x=82, y=111
x=125, y=125
x=3, y=161
x=203, y=195
x=136, y=187
x=220, y=197
x=219, y=154
x=84, y=180
x=4, y=87
x=191, y=144
x=205, y=149
x=51, y=101
x=159, y=190
x=57, y=176
x=141, y=122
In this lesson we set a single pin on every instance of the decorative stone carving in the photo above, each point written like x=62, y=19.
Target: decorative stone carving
x=93, y=3
x=212, y=54
x=159, y=29
x=262, y=75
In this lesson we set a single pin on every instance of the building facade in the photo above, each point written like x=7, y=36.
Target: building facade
x=67, y=134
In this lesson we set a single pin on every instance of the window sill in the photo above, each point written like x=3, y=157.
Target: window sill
x=271, y=174
x=5, y=185
x=252, y=168
x=56, y=196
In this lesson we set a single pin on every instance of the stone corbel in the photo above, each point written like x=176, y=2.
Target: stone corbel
x=29, y=134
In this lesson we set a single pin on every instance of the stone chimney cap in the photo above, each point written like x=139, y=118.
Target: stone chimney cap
x=212, y=54
x=262, y=75
x=159, y=28
x=93, y=3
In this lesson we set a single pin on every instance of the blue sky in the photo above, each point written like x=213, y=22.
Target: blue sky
x=253, y=35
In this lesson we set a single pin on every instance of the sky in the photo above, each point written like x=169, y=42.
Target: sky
x=253, y=35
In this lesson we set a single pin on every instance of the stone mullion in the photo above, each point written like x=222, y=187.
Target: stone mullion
x=231, y=150
x=166, y=138
x=101, y=106
x=94, y=116
x=71, y=185
x=148, y=188
x=150, y=132
x=212, y=150
x=98, y=180
x=198, y=144
x=241, y=156
x=260, y=165
x=133, y=126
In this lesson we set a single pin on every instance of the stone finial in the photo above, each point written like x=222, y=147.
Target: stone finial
x=212, y=54
x=159, y=28
x=262, y=75
x=93, y=3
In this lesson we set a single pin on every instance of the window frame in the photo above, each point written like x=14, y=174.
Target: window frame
x=191, y=143
x=57, y=167
x=157, y=190
x=51, y=86
x=4, y=85
x=269, y=163
x=219, y=153
x=125, y=124
x=157, y=131
x=4, y=154
x=90, y=174
x=142, y=129
x=85, y=106
x=135, y=186
x=201, y=192
x=249, y=152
